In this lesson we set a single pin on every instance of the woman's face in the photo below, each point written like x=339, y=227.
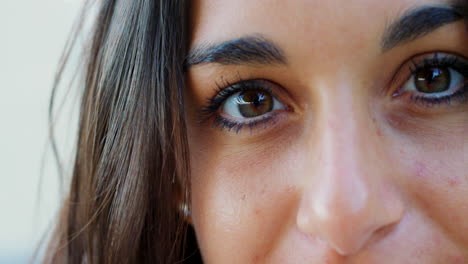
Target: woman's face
x=329, y=131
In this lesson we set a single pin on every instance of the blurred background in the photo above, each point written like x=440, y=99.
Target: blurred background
x=32, y=37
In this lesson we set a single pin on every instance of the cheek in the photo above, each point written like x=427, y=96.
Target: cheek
x=438, y=183
x=433, y=155
x=242, y=201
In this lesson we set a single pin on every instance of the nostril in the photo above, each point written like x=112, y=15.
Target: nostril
x=381, y=233
x=374, y=237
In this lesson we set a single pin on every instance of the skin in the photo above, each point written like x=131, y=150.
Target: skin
x=348, y=174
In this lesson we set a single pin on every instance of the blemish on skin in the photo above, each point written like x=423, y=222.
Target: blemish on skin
x=454, y=181
x=379, y=133
x=258, y=211
x=243, y=197
x=394, y=121
x=421, y=169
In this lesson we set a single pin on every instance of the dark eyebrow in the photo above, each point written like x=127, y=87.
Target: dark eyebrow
x=421, y=21
x=250, y=49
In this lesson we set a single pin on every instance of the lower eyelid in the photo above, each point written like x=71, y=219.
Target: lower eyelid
x=237, y=127
x=252, y=119
x=429, y=105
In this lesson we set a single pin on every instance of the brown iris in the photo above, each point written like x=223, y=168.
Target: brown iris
x=254, y=103
x=432, y=80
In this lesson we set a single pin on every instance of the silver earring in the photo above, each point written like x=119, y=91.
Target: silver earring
x=184, y=210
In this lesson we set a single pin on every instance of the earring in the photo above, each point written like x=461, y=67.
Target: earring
x=184, y=210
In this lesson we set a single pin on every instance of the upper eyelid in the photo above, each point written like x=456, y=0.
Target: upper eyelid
x=263, y=84
x=436, y=60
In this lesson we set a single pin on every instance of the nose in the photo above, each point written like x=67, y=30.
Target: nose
x=349, y=200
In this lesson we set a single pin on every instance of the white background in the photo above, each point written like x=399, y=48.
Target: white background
x=32, y=36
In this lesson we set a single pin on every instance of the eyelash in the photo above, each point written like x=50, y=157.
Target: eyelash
x=445, y=61
x=227, y=89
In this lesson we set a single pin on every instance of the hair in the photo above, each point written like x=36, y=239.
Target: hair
x=132, y=161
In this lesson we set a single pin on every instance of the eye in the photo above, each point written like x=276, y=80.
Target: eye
x=436, y=79
x=250, y=104
x=434, y=82
x=247, y=103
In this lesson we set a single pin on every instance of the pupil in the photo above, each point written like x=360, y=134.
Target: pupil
x=432, y=80
x=254, y=103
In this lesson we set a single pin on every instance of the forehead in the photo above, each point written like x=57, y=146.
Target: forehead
x=298, y=20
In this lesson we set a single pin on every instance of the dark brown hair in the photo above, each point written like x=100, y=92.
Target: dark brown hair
x=131, y=161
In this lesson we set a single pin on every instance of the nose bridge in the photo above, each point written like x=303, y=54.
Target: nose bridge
x=343, y=185
x=345, y=189
x=346, y=202
x=346, y=150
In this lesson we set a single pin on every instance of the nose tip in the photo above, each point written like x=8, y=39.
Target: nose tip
x=338, y=220
x=347, y=219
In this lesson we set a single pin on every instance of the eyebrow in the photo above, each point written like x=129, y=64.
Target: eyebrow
x=420, y=22
x=250, y=49
x=257, y=49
